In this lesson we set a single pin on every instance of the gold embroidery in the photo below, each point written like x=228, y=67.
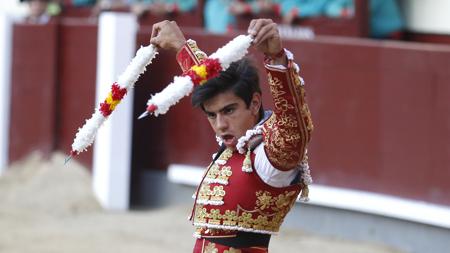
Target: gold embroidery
x=288, y=120
x=220, y=173
x=275, y=85
x=284, y=200
x=268, y=215
x=213, y=171
x=210, y=248
x=204, y=192
x=282, y=105
x=200, y=214
x=264, y=200
x=226, y=154
x=307, y=114
x=230, y=218
x=216, y=194
x=288, y=130
x=214, y=217
x=297, y=80
x=278, y=203
x=200, y=55
x=215, y=174
x=277, y=219
x=225, y=173
x=261, y=222
x=245, y=220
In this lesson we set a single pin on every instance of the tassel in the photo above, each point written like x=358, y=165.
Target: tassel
x=247, y=164
x=305, y=193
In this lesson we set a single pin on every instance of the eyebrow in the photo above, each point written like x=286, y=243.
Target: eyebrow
x=223, y=108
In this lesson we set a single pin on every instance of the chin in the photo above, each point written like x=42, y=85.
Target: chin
x=231, y=145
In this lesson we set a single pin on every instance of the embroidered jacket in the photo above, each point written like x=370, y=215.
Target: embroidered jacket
x=232, y=196
x=230, y=199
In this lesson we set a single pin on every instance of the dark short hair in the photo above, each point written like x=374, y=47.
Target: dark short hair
x=241, y=77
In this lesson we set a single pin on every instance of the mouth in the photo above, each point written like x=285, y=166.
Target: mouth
x=228, y=139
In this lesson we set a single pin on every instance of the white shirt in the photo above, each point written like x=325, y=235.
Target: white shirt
x=269, y=174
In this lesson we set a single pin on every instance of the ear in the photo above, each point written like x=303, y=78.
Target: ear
x=255, y=103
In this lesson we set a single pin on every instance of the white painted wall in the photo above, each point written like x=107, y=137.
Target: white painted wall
x=346, y=199
x=427, y=16
x=112, y=148
x=13, y=8
x=5, y=86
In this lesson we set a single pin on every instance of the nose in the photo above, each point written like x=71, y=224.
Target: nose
x=221, y=123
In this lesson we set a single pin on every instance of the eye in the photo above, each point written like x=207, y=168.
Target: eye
x=211, y=115
x=229, y=110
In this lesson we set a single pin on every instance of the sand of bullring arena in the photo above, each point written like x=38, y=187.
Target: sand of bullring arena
x=48, y=207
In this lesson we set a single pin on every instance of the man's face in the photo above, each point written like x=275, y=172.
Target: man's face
x=230, y=117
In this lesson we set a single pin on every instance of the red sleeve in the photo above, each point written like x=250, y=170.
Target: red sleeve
x=189, y=55
x=288, y=130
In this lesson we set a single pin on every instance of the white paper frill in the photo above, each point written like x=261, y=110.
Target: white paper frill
x=182, y=85
x=86, y=134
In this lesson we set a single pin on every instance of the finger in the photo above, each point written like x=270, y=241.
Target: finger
x=155, y=31
x=157, y=27
x=155, y=41
x=250, y=29
x=260, y=24
x=271, y=34
x=263, y=31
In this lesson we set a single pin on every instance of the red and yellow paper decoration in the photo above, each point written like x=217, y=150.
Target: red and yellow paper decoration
x=207, y=69
x=112, y=100
x=198, y=74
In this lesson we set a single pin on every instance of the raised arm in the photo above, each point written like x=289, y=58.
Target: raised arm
x=288, y=130
x=167, y=35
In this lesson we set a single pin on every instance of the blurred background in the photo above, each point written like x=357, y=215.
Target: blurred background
x=377, y=78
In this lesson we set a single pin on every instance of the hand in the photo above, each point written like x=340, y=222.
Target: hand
x=167, y=35
x=266, y=36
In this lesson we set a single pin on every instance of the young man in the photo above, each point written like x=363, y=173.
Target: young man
x=261, y=168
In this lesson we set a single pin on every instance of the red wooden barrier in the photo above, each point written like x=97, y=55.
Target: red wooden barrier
x=33, y=90
x=381, y=109
x=77, y=64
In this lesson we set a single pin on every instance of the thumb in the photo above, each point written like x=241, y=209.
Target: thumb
x=155, y=41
